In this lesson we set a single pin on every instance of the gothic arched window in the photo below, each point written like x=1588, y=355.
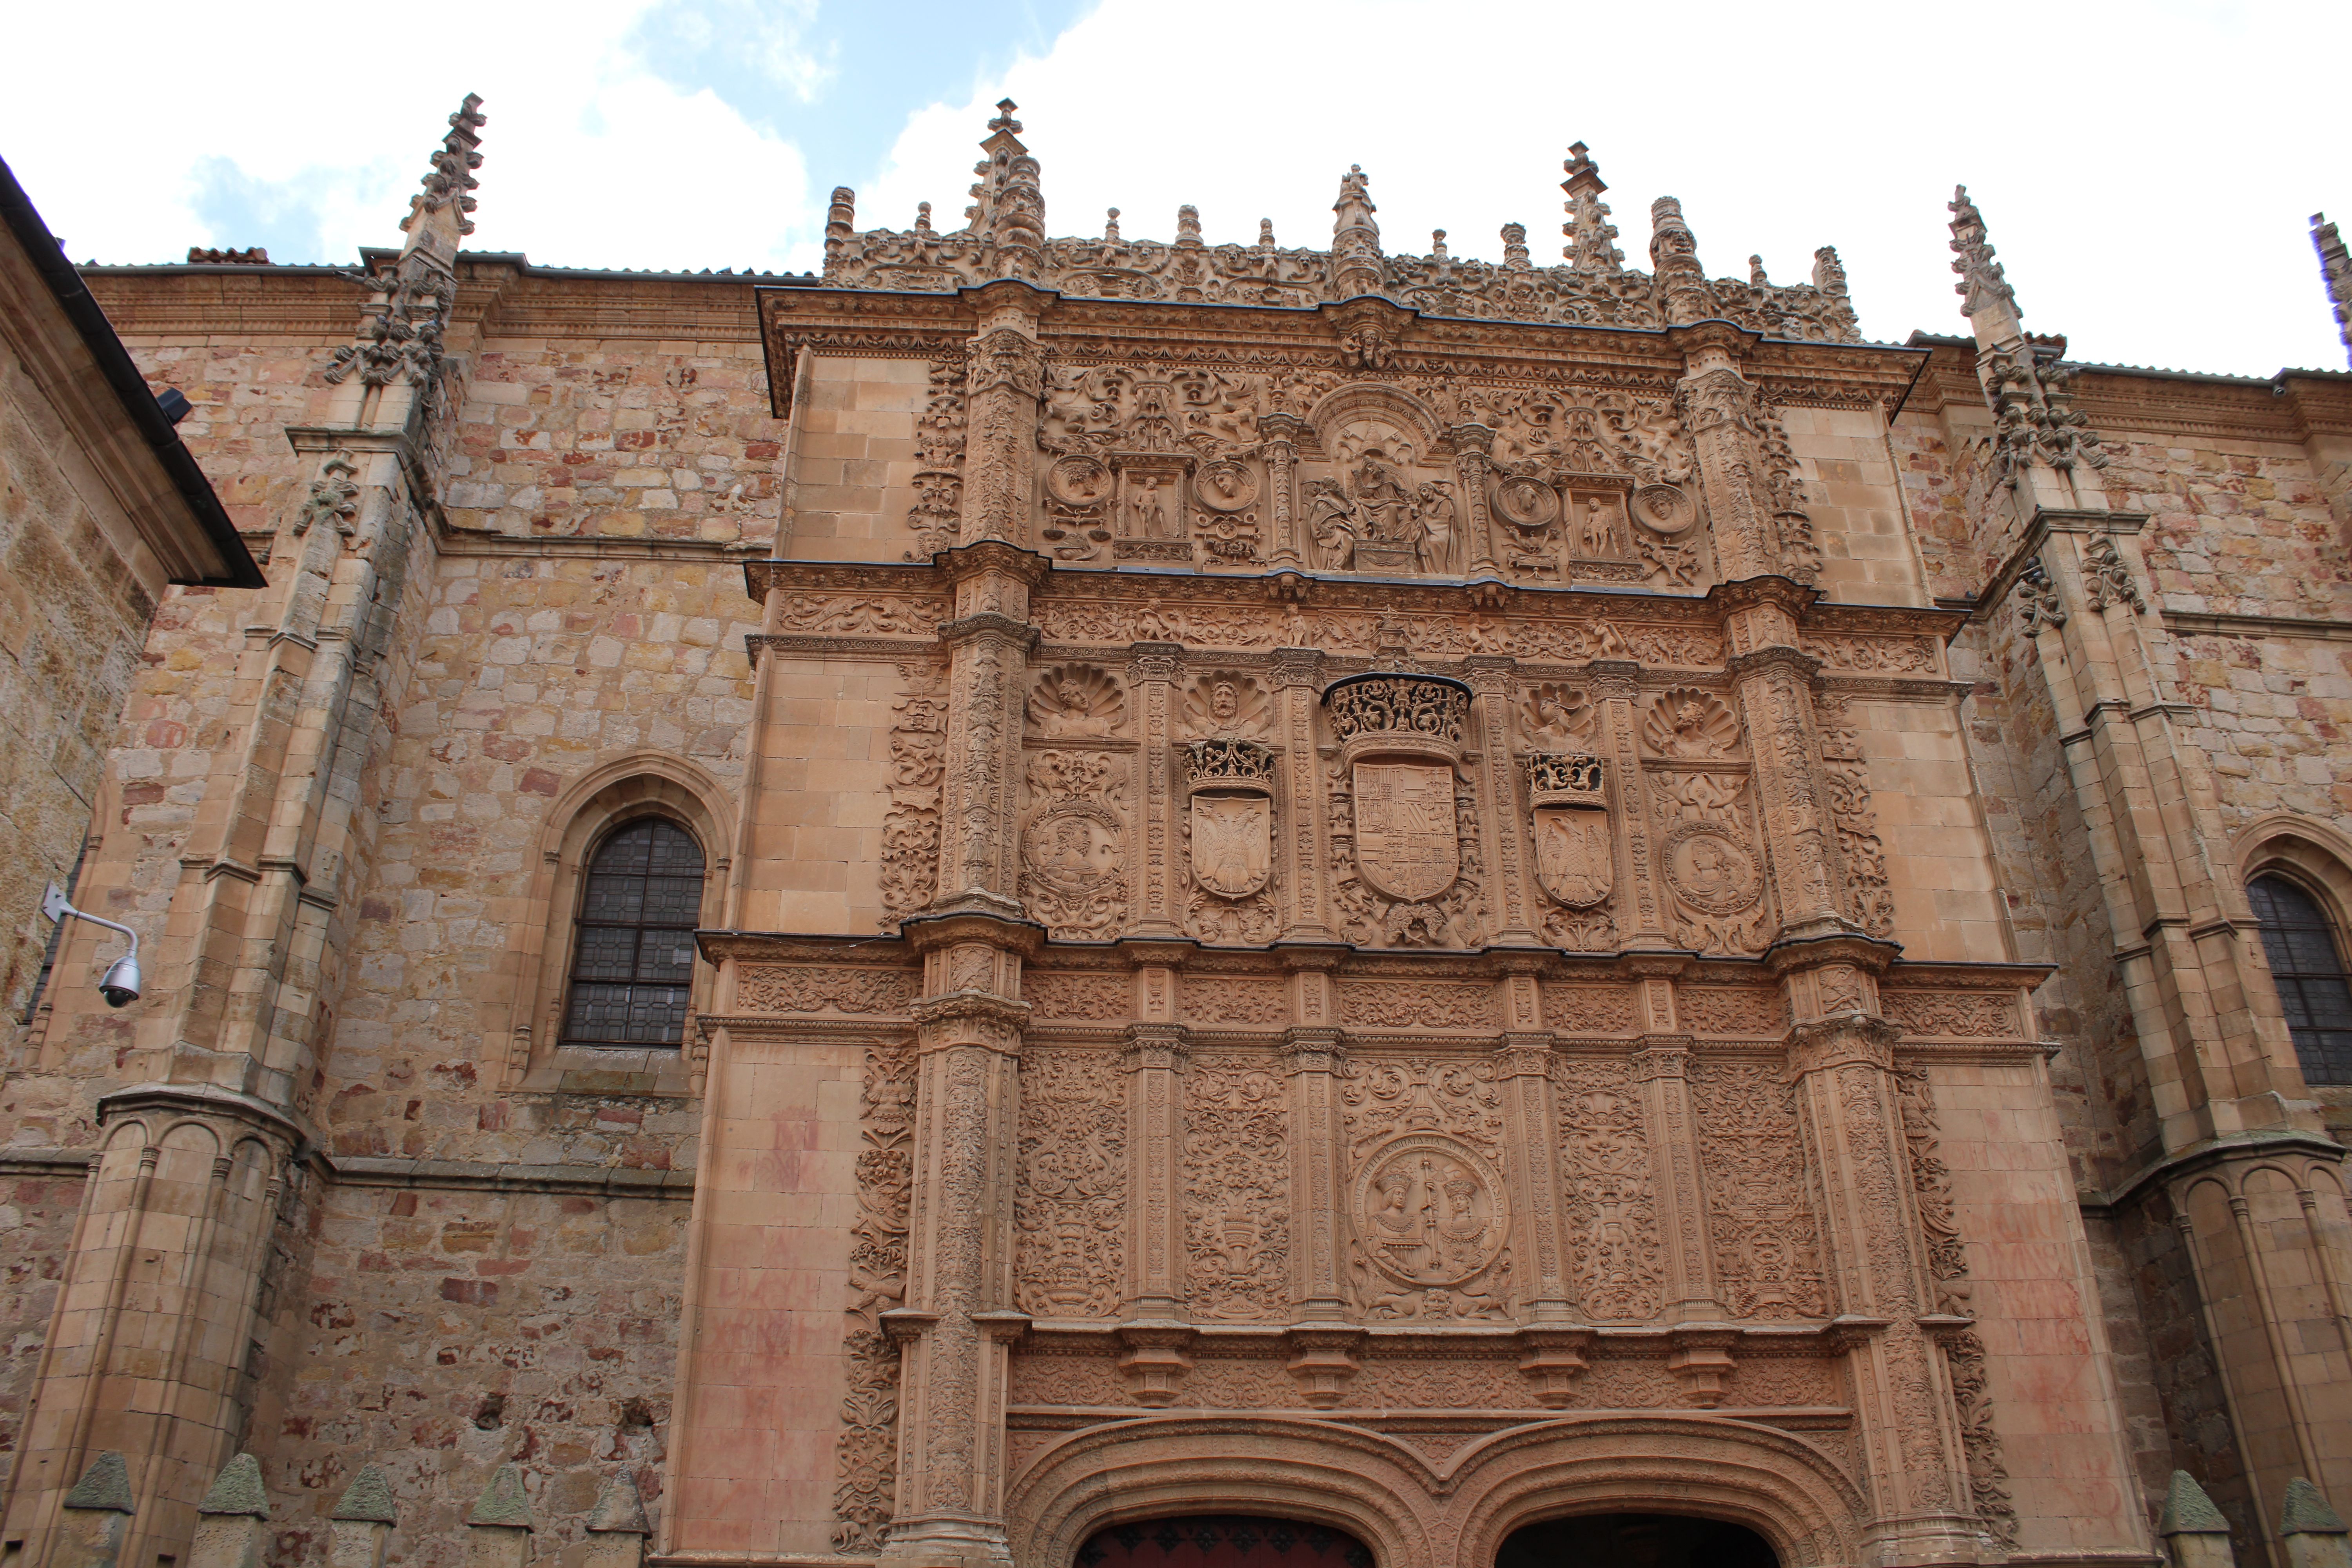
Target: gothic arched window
x=633, y=944
x=2308, y=962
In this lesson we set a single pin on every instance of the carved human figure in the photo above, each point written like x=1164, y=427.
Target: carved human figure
x=1690, y=736
x=1331, y=523
x=1224, y=707
x=1381, y=502
x=1437, y=532
x=1594, y=535
x=1148, y=511
x=1711, y=869
x=1068, y=708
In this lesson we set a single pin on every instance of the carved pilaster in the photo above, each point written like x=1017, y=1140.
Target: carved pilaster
x=958, y=1319
x=1311, y=1060
x=1155, y=1107
x=989, y=642
x=1499, y=810
x=1473, y=445
x=1280, y=434
x=1615, y=684
x=1851, y=1118
x=1298, y=677
x=1151, y=669
x=1525, y=1066
x=1006, y=377
x=1718, y=406
x=1773, y=684
x=1661, y=1069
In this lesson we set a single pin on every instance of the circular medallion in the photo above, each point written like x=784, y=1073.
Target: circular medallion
x=1664, y=508
x=1225, y=484
x=1073, y=848
x=1711, y=870
x=1079, y=481
x=1525, y=502
x=1429, y=1211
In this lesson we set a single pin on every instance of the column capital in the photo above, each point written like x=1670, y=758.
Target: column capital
x=1855, y=1040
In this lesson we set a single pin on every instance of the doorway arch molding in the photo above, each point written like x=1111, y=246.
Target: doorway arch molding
x=1773, y=1482
x=1414, y=1514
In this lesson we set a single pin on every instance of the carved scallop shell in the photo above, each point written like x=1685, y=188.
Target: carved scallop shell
x=1552, y=715
x=1226, y=702
x=1687, y=722
x=1076, y=699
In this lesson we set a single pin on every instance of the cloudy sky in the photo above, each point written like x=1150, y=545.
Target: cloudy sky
x=2147, y=169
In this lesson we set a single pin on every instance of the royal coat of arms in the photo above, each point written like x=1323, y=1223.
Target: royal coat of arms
x=1575, y=856
x=1232, y=851
x=1406, y=846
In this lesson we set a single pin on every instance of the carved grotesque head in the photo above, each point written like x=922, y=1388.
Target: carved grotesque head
x=1688, y=718
x=1224, y=702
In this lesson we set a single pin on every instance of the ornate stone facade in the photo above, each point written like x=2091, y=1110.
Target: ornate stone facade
x=1397, y=892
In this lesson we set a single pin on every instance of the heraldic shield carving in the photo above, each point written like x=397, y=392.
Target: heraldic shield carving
x=1575, y=850
x=1401, y=736
x=1233, y=815
x=1431, y=1218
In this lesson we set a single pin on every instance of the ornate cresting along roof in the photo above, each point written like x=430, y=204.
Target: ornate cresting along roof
x=1591, y=287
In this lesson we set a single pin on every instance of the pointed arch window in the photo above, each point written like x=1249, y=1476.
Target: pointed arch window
x=2306, y=957
x=632, y=943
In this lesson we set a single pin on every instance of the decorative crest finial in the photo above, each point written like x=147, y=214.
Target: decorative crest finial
x=1981, y=284
x=1591, y=246
x=1004, y=120
x=2336, y=269
x=1111, y=225
x=451, y=177
x=1266, y=234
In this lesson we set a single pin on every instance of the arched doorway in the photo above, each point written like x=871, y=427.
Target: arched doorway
x=1223, y=1541
x=1634, y=1540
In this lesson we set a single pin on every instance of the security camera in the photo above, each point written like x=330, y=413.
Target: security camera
x=120, y=985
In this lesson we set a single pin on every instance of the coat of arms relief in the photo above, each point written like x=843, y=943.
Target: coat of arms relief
x=1708, y=856
x=1229, y=775
x=1402, y=825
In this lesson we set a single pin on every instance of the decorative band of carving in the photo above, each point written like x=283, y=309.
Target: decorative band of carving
x=1565, y=778
x=1229, y=764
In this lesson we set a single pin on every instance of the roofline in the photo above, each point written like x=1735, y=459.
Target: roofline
x=514, y=258
x=130, y=388
x=1924, y=339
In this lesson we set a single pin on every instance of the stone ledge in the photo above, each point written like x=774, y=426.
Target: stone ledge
x=64, y=1162
x=475, y=1176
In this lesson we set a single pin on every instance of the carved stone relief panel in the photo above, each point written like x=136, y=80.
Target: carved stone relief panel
x=1147, y=462
x=1688, y=725
x=1072, y=1190
x=1962, y=1015
x=1592, y=487
x=910, y=827
x=1232, y=1383
x=1590, y=1009
x=1423, y=1003
x=788, y=988
x=1554, y=717
x=1073, y=844
x=1428, y=1211
x=866, y=1452
x=1225, y=704
x=1065, y=1377
x=1845, y=779
x=1574, y=836
x=1767, y=1239
x=1457, y=1382
x=1228, y=829
x=1404, y=862
x=1756, y=1011
x=1377, y=498
x=1615, y=1258
x=1236, y=1187
x=1710, y=859
x=1094, y=998
x=1213, y=999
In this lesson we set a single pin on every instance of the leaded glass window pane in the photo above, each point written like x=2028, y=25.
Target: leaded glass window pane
x=633, y=951
x=2307, y=963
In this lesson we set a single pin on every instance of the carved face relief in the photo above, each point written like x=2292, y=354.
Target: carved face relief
x=1664, y=508
x=1225, y=486
x=1429, y=1213
x=1406, y=846
x=1711, y=870
x=1226, y=702
x=1079, y=481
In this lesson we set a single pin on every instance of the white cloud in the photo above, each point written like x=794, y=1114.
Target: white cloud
x=2146, y=170
x=589, y=159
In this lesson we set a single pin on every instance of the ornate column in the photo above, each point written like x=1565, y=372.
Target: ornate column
x=1151, y=669
x=958, y=1319
x=988, y=670
x=1005, y=373
x=1297, y=675
x=1323, y=1350
x=1473, y=445
x=1154, y=1338
x=1615, y=684
x=1774, y=678
x=1524, y=1064
x=1499, y=808
x=1661, y=1071
x=1280, y=434
x=1913, y=1464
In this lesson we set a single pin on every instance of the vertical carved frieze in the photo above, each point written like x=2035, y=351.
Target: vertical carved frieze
x=1311, y=1059
x=1155, y=1063
x=1236, y=1187
x=958, y=1314
x=1297, y=672
x=989, y=642
x=1499, y=813
x=1071, y=1193
x=1006, y=379
x=1472, y=461
x=1615, y=683
x=1150, y=670
x=1717, y=406
x=1853, y=1135
x=1845, y=779
x=1279, y=434
x=1615, y=1261
x=1661, y=1071
x=866, y=1452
